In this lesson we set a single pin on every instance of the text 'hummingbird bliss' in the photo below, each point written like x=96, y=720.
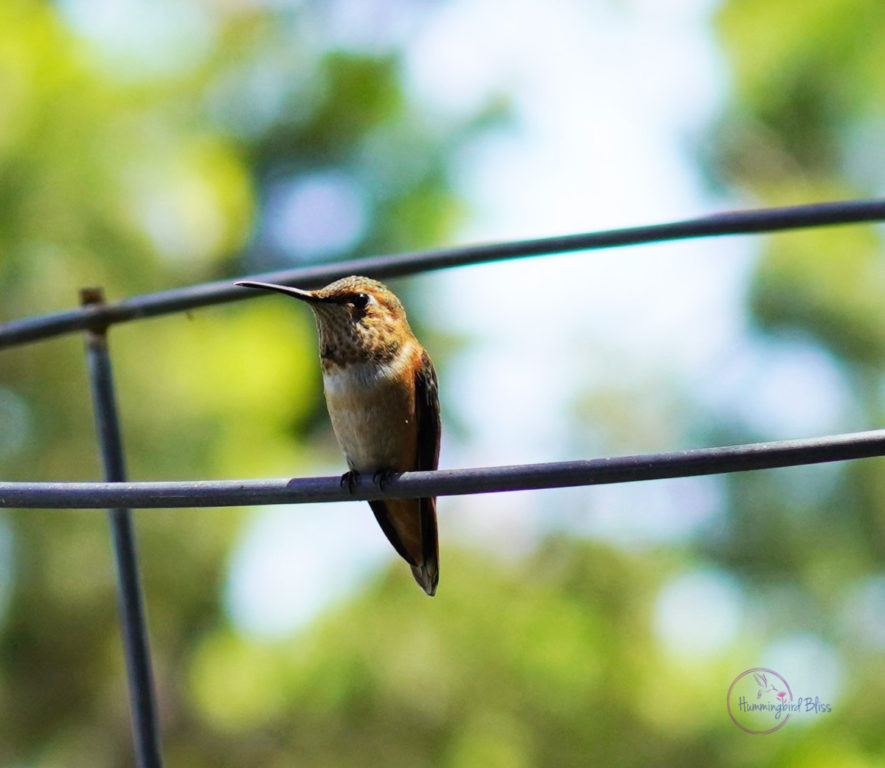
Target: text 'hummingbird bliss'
x=381, y=392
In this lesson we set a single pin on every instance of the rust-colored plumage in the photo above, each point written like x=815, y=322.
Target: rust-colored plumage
x=381, y=392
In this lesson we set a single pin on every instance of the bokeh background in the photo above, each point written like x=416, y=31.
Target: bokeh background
x=146, y=145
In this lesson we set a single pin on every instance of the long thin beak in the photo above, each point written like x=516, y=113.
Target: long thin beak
x=308, y=296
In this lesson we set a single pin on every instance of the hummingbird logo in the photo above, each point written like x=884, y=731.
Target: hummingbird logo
x=765, y=686
x=760, y=701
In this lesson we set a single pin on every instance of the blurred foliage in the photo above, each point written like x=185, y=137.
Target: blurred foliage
x=138, y=177
x=561, y=669
x=138, y=168
x=805, y=125
x=511, y=673
x=829, y=285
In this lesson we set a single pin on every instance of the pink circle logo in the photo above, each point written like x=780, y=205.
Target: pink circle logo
x=760, y=701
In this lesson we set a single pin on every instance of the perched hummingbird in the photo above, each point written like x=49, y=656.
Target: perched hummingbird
x=381, y=392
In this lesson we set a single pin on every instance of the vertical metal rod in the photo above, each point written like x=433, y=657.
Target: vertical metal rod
x=135, y=640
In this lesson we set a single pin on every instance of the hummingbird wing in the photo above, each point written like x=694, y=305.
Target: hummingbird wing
x=427, y=412
x=410, y=524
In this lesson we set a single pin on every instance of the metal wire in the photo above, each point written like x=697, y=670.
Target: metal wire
x=132, y=615
x=181, y=299
x=225, y=493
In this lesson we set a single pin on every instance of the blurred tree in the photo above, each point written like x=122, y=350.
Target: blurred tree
x=515, y=673
x=238, y=139
x=805, y=124
x=561, y=669
x=808, y=95
x=217, y=138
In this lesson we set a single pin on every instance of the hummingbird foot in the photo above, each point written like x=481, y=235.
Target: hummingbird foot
x=350, y=479
x=383, y=477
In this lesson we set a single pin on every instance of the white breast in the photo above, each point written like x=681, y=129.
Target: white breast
x=356, y=379
x=371, y=413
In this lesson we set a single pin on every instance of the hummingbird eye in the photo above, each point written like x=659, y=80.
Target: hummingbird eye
x=361, y=300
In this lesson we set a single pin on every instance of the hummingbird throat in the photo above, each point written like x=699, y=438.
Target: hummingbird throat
x=345, y=341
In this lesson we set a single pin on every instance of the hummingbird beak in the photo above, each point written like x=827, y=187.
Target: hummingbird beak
x=309, y=296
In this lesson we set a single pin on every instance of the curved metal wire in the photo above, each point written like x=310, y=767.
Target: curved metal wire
x=447, y=482
x=18, y=332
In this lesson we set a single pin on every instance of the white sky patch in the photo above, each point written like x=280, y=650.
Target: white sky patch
x=698, y=614
x=316, y=215
x=370, y=26
x=648, y=513
x=863, y=615
x=809, y=665
x=781, y=389
x=506, y=524
x=293, y=561
x=143, y=37
x=600, y=94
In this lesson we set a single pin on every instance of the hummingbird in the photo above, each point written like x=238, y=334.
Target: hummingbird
x=382, y=396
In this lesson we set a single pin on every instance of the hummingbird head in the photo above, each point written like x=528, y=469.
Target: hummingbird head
x=359, y=320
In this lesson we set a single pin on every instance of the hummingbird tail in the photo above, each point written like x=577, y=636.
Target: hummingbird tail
x=427, y=576
x=426, y=570
x=410, y=525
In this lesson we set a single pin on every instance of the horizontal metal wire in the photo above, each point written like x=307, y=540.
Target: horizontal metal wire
x=181, y=299
x=447, y=482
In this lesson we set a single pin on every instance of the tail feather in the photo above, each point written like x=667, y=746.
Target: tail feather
x=410, y=525
x=427, y=576
x=427, y=572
